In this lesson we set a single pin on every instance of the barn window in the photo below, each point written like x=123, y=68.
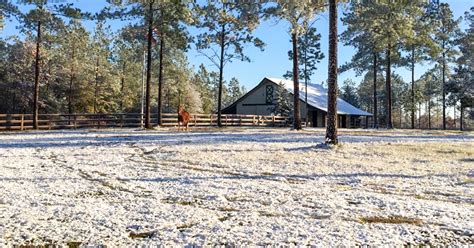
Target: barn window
x=269, y=94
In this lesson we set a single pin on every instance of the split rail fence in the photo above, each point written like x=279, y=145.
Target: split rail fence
x=120, y=120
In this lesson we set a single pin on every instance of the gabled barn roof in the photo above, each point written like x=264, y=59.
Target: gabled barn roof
x=318, y=98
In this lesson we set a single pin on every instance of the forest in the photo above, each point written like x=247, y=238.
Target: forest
x=55, y=65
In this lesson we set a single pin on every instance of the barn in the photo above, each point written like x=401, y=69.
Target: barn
x=261, y=98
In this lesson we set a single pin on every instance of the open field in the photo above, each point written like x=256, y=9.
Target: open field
x=238, y=186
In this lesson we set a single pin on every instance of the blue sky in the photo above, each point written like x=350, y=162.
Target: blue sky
x=273, y=61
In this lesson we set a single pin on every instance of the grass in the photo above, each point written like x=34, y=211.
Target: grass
x=174, y=200
x=141, y=235
x=395, y=219
x=270, y=214
x=223, y=218
x=185, y=226
x=228, y=209
x=466, y=181
x=73, y=244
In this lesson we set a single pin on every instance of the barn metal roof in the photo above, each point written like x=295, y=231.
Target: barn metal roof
x=318, y=98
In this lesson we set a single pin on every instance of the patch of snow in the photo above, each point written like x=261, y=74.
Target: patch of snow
x=240, y=186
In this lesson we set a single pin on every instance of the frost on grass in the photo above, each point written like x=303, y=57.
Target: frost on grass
x=236, y=187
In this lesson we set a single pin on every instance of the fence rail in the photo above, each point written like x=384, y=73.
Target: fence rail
x=74, y=121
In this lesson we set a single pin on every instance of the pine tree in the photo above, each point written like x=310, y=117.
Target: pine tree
x=104, y=86
x=44, y=16
x=445, y=36
x=298, y=13
x=204, y=83
x=349, y=92
x=382, y=26
x=461, y=86
x=228, y=27
x=7, y=10
x=235, y=91
x=73, y=52
x=420, y=46
x=309, y=49
x=282, y=106
x=128, y=66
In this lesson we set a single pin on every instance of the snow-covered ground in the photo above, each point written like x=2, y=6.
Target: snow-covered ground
x=236, y=187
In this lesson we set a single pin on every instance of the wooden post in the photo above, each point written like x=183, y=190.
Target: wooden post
x=273, y=121
x=240, y=120
x=50, y=122
x=22, y=122
x=98, y=121
x=195, y=120
x=210, y=118
x=226, y=120
x=253, y=121
x=75, y=121
x=121, y=120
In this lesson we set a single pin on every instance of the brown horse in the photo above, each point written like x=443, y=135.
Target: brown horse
x=183, y=118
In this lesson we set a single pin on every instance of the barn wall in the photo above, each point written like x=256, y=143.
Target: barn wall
x=254, y=103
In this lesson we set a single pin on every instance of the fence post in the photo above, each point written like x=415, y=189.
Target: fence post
x=253, y=121
x=21, y=122
x=98, y=121
x=121, y=120
x=75, y=121
x=210, y=118
x=240, y=120
x=273, y=120
x=49, y=122
x=195, y=120
x=226, y=120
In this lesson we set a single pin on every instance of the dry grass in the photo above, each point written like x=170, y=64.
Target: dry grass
x=390, y=220
x=73, y=244
x=270, y=214
x=141, y=235
x=185, y=226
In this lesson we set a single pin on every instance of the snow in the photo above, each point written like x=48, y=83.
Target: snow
x=237, y=186
x=318, y=98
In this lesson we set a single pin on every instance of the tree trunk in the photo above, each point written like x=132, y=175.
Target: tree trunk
x=122, y=86
x=96, y=91
x=331, y=129
x=454, y=116
x=429, y=114
x=413, y=87
x=306, y=79
x=444, y=90
x=388, y=88
x=419, y=115
x=71, y=84
x=401, y=113
x=160, y=79
x=296, y=84
x=221, y=74
x=148, y=68
x=461, y=118
x=376, y=125
x=142, y=97
x=37, y=74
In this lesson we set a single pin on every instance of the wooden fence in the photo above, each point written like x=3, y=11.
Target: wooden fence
x=73, y=121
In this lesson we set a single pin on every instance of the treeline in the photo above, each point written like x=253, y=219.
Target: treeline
x=100, y=71
x=59, y=66
x=388, y=35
